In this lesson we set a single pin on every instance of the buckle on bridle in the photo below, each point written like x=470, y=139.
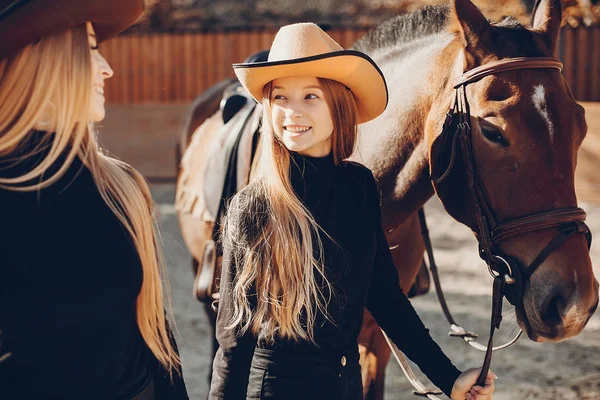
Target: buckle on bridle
x=508, y=277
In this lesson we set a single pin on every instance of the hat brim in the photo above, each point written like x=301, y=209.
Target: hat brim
x=35, y=19
x=352, y=68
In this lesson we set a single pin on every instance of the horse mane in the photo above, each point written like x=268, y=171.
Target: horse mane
x=405, y=28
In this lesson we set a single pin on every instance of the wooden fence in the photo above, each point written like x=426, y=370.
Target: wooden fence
x=170, y=68
x=579, y=49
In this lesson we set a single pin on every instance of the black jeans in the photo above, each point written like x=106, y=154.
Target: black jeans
x=278, y=375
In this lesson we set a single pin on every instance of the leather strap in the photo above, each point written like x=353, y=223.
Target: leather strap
x=421, y=389
x=497, y=295
x=433, y=268
x=565, y=232
x=508, y=64
x=456, y=330
x=537, y=222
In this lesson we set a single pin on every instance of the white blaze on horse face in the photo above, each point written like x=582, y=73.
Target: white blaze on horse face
x=539, y=101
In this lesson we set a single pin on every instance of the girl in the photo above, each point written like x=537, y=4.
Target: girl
x=304, y=250
x=81, y=304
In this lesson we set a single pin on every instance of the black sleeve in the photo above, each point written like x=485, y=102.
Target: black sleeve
x=231, y=366
x=167, y=387
x=395, y=314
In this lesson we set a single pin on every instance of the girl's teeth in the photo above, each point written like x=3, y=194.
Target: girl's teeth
x=297, y=130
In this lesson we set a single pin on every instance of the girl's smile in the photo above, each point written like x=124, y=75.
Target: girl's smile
x=297, y=130
x=300, y=115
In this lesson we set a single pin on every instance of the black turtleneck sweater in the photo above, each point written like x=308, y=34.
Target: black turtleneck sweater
x=345, y=202
x=69, y=279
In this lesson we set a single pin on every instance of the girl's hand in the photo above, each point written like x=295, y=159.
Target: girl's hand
x=465, y=388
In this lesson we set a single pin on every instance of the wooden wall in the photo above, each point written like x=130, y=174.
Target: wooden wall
x=166, y=68
x=579, y=49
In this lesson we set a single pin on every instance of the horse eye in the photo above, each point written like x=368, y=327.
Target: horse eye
x=494, y=136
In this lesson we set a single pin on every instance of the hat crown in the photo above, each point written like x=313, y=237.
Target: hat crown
x=300, y=41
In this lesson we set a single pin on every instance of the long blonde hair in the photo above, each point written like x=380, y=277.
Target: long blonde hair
x=57, y=70
x=279, y=252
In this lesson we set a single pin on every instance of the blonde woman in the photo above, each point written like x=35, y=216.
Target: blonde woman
x=81, y=304
x=304, y=250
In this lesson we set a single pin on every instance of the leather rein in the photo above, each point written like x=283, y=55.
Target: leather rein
x=510, y=277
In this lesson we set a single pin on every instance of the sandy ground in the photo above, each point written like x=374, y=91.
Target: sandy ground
x=587, y=179
x=527, y=370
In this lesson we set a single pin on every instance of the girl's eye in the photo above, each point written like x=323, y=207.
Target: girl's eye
x=278, y=97
x=311, y=96
x=96, y=47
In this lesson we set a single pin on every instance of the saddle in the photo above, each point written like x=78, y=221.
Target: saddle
x=207, y=187
x=228, y=165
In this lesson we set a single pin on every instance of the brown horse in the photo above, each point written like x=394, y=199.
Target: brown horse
x=527, y=129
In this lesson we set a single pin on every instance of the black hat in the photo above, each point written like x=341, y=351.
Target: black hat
x=25, y=21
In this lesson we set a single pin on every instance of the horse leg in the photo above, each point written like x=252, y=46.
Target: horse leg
x=407, y=251
x=374, y=356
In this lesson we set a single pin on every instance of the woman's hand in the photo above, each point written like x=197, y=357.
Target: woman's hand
x=465, y=388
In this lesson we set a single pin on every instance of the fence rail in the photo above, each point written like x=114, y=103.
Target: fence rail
x=176, y=68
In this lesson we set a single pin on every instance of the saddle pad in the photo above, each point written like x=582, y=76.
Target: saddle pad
x=189, y=199
x=216, y=168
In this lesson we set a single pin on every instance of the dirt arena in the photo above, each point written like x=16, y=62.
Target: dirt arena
x=527, y=370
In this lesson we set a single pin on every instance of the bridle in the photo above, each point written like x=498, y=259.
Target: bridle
x=510, y=277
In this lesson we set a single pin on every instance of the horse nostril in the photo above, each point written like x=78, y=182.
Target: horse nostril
x=553, y=313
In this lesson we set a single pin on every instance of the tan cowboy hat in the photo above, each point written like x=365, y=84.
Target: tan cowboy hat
x=25, y=21
x=305, y=50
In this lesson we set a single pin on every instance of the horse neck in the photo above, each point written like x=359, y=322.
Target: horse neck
x=393, y=146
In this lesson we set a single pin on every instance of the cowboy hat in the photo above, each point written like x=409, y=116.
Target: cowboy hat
x=25, y=21
x=306, y=50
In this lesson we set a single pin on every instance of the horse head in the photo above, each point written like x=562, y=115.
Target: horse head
x=526, y=129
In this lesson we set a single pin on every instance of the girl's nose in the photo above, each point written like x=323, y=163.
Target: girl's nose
x=105, y=69
x=294, y=112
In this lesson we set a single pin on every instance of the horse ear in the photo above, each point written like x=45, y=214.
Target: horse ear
x=545, y=19
x=473, y=27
